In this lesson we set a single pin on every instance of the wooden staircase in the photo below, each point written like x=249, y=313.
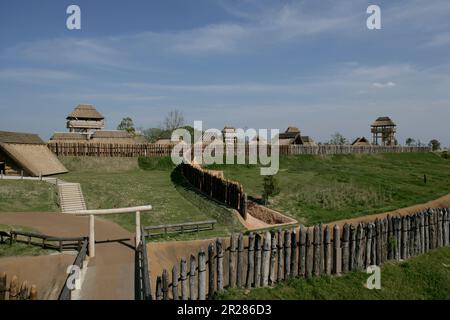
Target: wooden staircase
x=71, y=198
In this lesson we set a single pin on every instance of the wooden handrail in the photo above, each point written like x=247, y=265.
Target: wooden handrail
x=113, y=211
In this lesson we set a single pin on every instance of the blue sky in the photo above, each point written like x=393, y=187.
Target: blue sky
x=260, y=64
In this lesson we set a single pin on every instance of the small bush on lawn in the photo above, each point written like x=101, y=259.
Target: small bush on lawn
x=155, y=163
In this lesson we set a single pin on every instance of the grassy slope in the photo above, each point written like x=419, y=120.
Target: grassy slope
x=20, y=249
x=112, y=183
x=27, y=196
x=423, y=277
x=323, y=189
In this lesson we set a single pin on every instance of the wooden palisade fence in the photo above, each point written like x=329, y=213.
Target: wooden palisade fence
x=228, y=192
x=96, y=149
x=16, y=291
x=260, y=260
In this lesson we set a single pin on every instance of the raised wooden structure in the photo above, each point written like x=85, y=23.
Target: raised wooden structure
x=383, y=132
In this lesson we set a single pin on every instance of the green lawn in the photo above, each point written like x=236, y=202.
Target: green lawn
x=20, y=249
x=318, y=189
x=27, y=196
x=423, y=277
x=119, y=182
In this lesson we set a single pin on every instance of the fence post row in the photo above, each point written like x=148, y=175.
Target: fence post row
x=275, y=256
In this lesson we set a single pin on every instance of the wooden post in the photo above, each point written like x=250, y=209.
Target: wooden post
x=345, y=248
x=201, y=275
x=337, y=253
x=257, y=272
x=427, y=231
x=251, y=260
x=440, y=232
x=327, y=250
x=14, y=288
x=175, y=283
x=266, y=260
x=309, y=252
x=360, y=246
x=138, y=228
x=240, y=262
x=159, y=293
x=316, y=260
x=220, y=251
x=232, y=262
x=422, y=232
x=398, y=237
x=432, y=230
x=91, y=236
x=404, y=251
x=302, y=251
x=294, y=254
x=352, y=253
x=33, y=292
x=165, y=285
x=273, y=259
x=3, y=286
x=280, y=256
x=390, y=238
x=192, y=276
x=211, y=270
x=287, y=254
x=184, y=284
x=379, y=247
x=368, y=244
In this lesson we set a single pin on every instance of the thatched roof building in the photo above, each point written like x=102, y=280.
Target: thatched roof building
x=361, y=142
x=383, y=131
x=28, y=153
x=292, y=135
x=85, y=118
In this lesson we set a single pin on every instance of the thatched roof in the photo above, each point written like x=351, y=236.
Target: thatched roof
x=288, y=135
x=69, y=136
x=383, y=121
x=361, y=141
x=20, y=137
x=85, y=111
x=292, y=130
x=29, y=152
x=110, y=134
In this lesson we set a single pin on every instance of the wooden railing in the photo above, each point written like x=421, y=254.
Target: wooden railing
x=141, y=271
x=42, y=240
x=165, y=229
x=66, y=292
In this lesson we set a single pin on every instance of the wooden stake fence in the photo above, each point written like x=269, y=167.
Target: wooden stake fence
x=16, y=291
x=265, y=259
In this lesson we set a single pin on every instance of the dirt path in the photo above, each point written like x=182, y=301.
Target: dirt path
x=110, y=274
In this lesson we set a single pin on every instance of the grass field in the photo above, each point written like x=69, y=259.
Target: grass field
x=26, y=196
x=423, y=277
x=20, y=249
x=323, y=189
x=119, y=182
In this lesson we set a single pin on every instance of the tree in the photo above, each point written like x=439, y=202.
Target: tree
x=435, y=145
x=270, y=188
x=152, y=134
x=173, y=120
x=410, y=142
x=126, y=125
x=337, y=139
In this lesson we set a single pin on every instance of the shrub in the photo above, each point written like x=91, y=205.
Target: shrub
x=155, y=163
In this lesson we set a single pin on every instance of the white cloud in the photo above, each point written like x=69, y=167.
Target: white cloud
x=36, y=75
x=384, y=85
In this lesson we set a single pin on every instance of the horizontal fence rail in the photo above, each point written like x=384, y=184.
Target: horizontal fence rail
x=264, y=259
x=42, y=240
x=165, y=229
x=150, y=150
